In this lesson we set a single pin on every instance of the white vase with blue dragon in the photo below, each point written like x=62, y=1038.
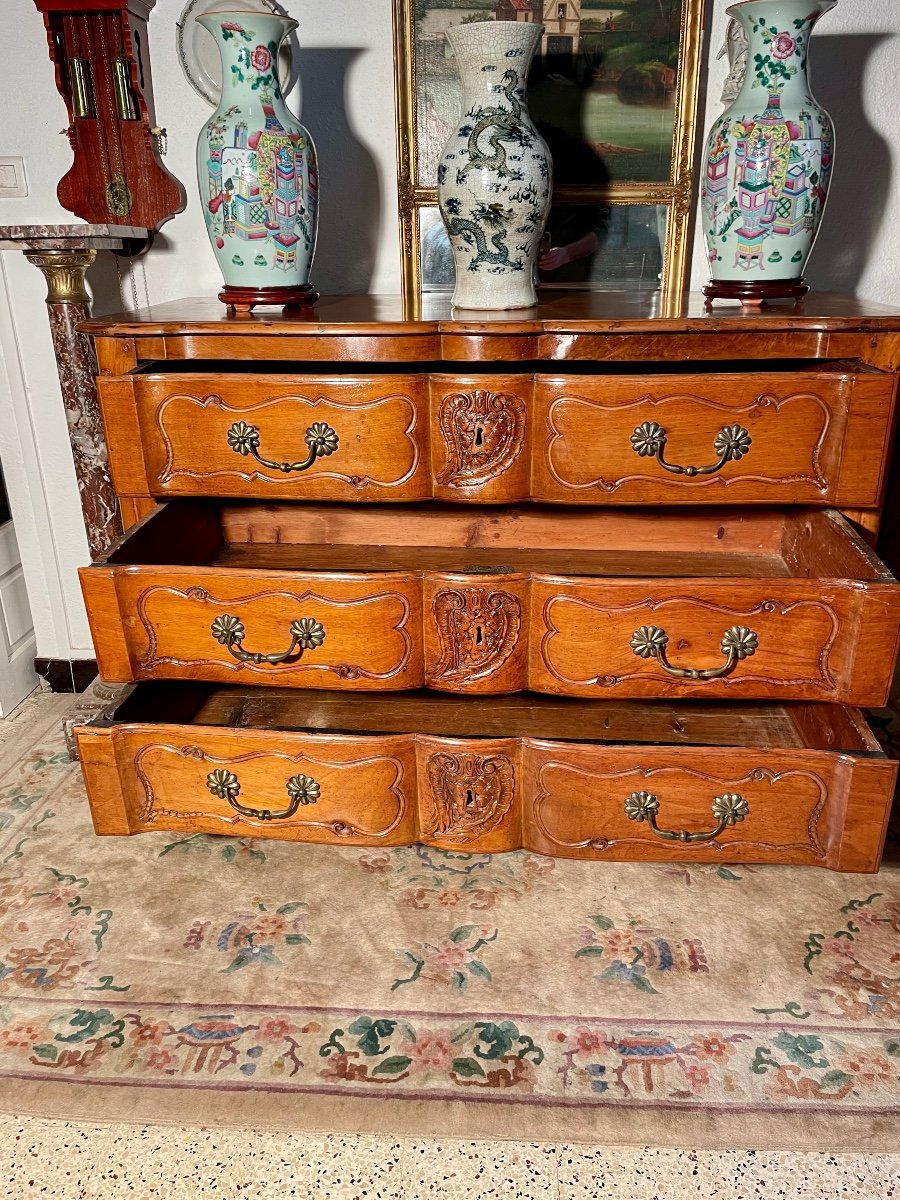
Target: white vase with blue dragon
x=256, y=166
x=768, y=158
x=495, y=175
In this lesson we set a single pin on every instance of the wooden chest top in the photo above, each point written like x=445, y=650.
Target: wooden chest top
x=565, y=325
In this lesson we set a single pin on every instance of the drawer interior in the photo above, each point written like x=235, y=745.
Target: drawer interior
x=760, y=543
x=759, y=726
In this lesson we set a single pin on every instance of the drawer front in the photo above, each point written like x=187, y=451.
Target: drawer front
x=712, y=438
x=490, y=634
x=217, y=435
x=692, y=804
x=480, y=795
x=301, y=631
x=682, y=638
x=805, y=437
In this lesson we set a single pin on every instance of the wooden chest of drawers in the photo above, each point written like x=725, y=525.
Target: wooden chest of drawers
x=574, y=580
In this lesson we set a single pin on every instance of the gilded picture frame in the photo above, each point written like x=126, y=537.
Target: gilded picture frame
x=662, y=162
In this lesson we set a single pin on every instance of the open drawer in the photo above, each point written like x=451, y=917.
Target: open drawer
x=719, y=603
x=790, y=783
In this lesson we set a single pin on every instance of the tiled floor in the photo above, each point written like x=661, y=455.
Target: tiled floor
x=67, y=1160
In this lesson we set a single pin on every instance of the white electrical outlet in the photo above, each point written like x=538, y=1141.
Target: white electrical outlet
x=12, y=178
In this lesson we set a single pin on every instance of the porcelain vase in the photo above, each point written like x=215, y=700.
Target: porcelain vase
x=495, y=173
x=256, y=166
x=769, y=156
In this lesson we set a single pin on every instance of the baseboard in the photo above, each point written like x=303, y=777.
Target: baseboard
x=66, y=674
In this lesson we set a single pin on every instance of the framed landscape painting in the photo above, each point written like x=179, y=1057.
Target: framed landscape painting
x=613, y=90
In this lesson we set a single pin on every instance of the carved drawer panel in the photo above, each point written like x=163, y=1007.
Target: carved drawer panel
x=724, y=604
x=481, y=437
x=663, y=638
x=806, y=436
x=306, y=630
x=274, y=436
x=676, y=803
x=804, y=784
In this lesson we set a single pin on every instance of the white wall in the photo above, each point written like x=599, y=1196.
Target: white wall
x=345, y=63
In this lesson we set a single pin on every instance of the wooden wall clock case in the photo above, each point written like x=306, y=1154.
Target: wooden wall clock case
x=101, y=54
x=574, y=580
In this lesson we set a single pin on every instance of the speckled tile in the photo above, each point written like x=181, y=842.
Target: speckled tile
x=107, y=1162
x=360, y=1168
x=658, y=1174
x=459, y=1170
x=75, y=1161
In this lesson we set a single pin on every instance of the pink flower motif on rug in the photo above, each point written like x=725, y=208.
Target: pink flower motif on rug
x=424, y=878
x=50, y=937
x=631, y=953
x=483, y=1054
x=450, y=962
x=857, y=966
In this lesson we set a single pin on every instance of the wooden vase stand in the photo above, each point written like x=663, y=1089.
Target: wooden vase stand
x=245, y=299
x=754, y=293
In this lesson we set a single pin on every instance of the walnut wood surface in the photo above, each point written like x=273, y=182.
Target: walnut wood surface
x=557, y=311
x=566, y=326
x=500, y=790
x=474, y=603
x=501, y=438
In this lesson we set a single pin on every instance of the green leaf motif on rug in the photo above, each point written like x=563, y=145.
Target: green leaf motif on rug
x=231, y=850
x=485, y=1053
x=800, y=1049
x=421, y=877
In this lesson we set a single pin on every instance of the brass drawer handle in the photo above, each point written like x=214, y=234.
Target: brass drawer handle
x=321, y=439
x=738, y=643
x=732, y=442
x=302, y=789
x=306, y=634
x=728, y=809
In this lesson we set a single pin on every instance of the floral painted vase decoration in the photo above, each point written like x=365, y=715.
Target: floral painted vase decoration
x=768, y=159
x=494, y=176
x=256, y=166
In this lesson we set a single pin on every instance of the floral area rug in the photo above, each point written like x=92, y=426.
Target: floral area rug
x=195, y=979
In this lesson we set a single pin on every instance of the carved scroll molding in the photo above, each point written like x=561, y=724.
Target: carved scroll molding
x=825, y=680
x=478, y=629
x=152, y=659
x=483, y=433
x=153, y=811
x=215, y=402
x=766, y=401
x=468, y=795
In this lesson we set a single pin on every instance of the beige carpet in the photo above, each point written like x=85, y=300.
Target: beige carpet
x=410, y=992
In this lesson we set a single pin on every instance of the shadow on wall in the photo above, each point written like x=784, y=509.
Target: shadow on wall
x=854, y=213
x=350, y=197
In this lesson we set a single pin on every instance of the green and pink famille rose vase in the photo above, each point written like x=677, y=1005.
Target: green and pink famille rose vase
x=768, y=157
x=255, y=162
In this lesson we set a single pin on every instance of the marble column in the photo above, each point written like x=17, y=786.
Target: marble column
x=68, y=303
x=63, y=253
